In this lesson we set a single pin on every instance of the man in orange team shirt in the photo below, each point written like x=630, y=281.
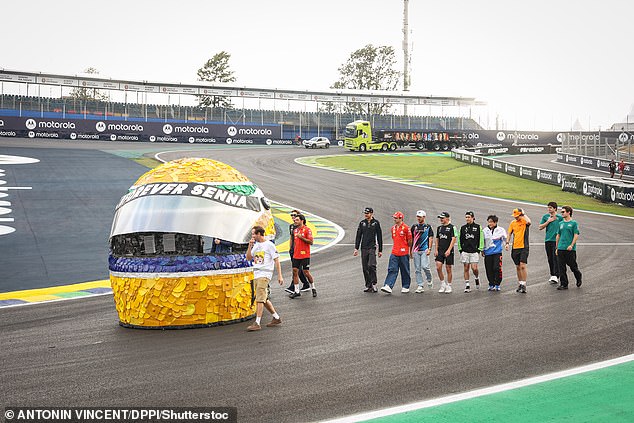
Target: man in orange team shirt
x=518, y=231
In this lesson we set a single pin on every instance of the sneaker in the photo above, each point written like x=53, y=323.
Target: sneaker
x=290, y=289
x=374, y=289
x=274, y=322
x=367, y=289
x=477, y=281
x=448, y=289
x=314, y=292
x=405, y=291
x=467, y=288
x=387, y=289
x=430, y=284
x=519, y=288
x=561, y=288
x=419, y=290
x=442, y=287
x=579, y=281
x=491, y=288
x=254, y=327
x=553, y=280
x=497, y=288
x=305, y=288
x=295, y=295
x=523, y=289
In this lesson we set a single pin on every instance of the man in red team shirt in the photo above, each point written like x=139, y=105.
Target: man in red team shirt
x=399, y=259
x=301, y=254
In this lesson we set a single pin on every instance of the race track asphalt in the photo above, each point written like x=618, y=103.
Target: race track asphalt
x=345, y=351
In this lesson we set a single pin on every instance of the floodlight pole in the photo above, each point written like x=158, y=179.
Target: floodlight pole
x=405, y=50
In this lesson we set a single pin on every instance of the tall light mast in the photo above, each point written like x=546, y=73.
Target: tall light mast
x=406, y=62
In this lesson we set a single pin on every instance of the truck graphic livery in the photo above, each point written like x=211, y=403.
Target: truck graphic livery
x=359, y=136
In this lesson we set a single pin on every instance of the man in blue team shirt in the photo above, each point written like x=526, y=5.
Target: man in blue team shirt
x=422, y=241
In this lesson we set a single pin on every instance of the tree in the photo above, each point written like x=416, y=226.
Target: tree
x=89, y=94
x=369, y=68
x=216, y=70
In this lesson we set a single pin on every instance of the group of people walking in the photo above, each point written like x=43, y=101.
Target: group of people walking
x=472, y=241
x=419, y=243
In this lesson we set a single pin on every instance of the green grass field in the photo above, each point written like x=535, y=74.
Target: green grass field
x=448, y=173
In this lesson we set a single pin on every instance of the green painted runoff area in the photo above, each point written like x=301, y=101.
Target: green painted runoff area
x=451, y=174
x=605, y=395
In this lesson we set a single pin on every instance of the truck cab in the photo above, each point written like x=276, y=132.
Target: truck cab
x=358, y=137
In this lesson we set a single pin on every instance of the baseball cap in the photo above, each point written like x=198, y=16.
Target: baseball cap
x=517, y=212
x=469, y=213
x=398, y=215
x=368, y=210
x=444, y=214
x=421, y=213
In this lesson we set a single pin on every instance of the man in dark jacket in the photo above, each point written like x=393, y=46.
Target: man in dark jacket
x=302, y=277
x=369, y=236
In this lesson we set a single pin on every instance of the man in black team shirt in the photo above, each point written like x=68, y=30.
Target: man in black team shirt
x=369, y=236
x=446, y=236
x=302, y=277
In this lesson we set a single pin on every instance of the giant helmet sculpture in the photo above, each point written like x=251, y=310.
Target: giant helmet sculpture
x=178, y=242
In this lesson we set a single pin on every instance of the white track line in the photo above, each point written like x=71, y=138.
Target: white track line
x=481, y=392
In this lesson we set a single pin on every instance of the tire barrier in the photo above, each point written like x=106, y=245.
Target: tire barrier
x=606, y=190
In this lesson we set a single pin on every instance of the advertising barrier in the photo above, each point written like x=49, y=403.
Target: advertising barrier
x=591, y=162
x=604, y=189
x=118, y=130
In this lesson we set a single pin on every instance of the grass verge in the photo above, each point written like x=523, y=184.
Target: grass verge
x=448, y=173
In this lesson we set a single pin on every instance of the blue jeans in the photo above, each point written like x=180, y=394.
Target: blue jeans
x=421, y=261
x=396, y=263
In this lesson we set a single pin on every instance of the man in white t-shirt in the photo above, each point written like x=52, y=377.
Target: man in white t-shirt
x=265, y=260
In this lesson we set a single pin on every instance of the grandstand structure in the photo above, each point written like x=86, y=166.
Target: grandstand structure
x=292, y=122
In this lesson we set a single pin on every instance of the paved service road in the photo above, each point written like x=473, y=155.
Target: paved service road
x=345, y=351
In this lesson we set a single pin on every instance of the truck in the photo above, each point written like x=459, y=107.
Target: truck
x=359, y=136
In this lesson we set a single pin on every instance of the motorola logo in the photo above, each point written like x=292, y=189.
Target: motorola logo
x=167, y=129
x=152, y=138
x=73, y=136
x=269, y=141
x=30, y=124
x=232, y=131
x=229, y=140
x=501, y=136
x=100, y=126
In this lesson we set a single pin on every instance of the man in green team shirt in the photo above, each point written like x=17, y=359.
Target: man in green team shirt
x=550, y=221
x=567, y=248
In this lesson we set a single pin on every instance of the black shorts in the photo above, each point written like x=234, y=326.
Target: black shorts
x=448, y=260
x=519, y=255
x=301, y=263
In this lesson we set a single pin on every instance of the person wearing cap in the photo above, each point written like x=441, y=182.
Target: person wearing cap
x=567, y=236
x=518, y=230
x=470, y=243
x=291, y=249
x=550, y=221
x=399, y=259
x=446, y=235
x=494, y=239
x=422, y=242
x=369, y=236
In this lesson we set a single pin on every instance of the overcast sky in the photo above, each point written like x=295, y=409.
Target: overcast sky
x=539, y=64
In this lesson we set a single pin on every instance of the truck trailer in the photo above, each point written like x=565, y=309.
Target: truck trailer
x=359, y=136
